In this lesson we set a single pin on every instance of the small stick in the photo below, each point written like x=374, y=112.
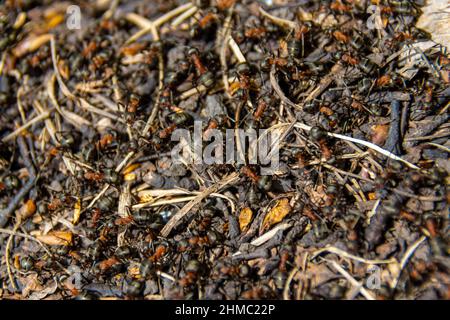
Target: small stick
x=52, y=131
x=393, y=141
x=111, y=10
x=346, y=173
x=431, y=137
x=20, y=105
x=345, y=254
x=107, y=103
x=7, y=250
x=223, y=38
x=98, y=196
x=189, y=93
x=71, y=117
x=406, y=257
x=284, y=23
x=61, y=83
x=119, y=167
x=266, y=236
x=373, y=211
x=352, y=280
x=336, y=71
x=276, y=87
x=87, y=106
x=19, y=130
x=158, y=96
x=165, y=275
x=171, y=14
x=445, y=108
x=162, y=202
x=230, y=179
x=201, y=88
x=438, y=146
x=2, y=62
x=147, y=25
x=288, y=282
x=26, y=236
x=182, y=17
x=124, y=162
x=370, y=158
x=236, y=50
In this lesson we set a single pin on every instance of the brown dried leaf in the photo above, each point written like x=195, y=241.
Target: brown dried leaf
x=380, y=134
x=27, y=210
x=277, y=214
x=319, y=274
x=56, y=238
x=30, y=283
x=41, y=294
x=317, y=196
x=245, y=217
x=108, y=263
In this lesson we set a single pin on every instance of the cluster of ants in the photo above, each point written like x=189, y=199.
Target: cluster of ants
x=317, y=63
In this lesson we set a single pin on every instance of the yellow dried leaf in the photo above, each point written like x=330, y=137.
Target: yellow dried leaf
x=55, y=21
x=372, y=196
x=20, y=20
x=277, y=214
x=129, y=177
x=76, y=212
x=56, y=238
x=131, y=168
x=245, y=217
x=235, y=86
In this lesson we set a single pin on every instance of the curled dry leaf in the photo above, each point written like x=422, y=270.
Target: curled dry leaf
x=245, y=217
x=41, y=294
x=277, y=214
x=56, y=238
